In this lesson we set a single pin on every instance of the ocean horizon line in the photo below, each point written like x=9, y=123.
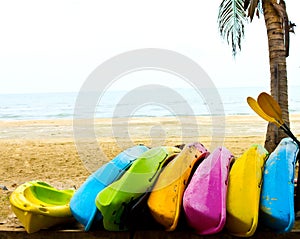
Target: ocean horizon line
x=186, y=102
x=120, y=89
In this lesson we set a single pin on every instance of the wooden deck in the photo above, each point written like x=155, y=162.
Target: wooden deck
x=14, y=230
x=16, y=233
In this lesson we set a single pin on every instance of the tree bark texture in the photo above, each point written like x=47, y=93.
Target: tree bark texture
x=277, y=59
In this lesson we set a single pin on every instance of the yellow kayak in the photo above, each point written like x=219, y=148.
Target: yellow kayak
x=244, y=188
x=165, y=200
x=40, y=206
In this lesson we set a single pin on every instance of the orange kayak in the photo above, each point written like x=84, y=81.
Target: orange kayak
x=165, y=200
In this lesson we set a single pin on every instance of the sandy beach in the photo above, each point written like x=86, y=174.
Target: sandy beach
x=49, y=151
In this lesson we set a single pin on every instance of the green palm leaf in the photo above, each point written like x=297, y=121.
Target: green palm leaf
x=231, y=21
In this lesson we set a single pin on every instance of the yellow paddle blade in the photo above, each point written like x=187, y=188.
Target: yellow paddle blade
x=256, y=108
x=270, y=106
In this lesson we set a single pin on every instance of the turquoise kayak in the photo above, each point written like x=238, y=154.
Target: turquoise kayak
x=277, y=197
x=114, y=201
x=82, y=204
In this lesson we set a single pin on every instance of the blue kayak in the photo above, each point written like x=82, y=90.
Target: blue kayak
x=277, y=197
x=82, y=204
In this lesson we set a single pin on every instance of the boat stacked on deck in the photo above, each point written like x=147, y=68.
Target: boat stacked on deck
x=173, y=187
x=38, y=205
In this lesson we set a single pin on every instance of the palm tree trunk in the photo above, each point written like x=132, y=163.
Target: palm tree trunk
x=277, y=60
x=279, y=89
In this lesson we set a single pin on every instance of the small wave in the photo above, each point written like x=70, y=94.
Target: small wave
x=59, y=116
x=11, y=117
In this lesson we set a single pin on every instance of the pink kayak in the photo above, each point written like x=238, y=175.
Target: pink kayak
x=204, y=200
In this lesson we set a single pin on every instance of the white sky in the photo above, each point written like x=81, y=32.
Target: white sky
x=49, y=46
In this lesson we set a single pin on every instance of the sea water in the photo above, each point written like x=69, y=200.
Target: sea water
x=118, y=103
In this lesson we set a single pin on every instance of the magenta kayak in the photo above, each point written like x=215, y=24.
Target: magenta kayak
x=204, y=200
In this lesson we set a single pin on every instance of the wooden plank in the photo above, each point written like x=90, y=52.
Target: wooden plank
x=79, y=234
x=63, y=234
x=224, y=235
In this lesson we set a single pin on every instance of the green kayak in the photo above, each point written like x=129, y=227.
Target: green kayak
x=115, y=200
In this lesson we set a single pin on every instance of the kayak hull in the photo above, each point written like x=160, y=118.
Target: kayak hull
x=39, y=206
x=114, y=201
x=244, y=190
x=165, y=200
x=82, y=204
x=204, y=200
x=277, y=198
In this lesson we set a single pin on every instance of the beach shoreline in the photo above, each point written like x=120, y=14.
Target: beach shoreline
x=47, y=149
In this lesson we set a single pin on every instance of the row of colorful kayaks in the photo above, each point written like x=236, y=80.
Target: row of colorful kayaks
x=164, y=186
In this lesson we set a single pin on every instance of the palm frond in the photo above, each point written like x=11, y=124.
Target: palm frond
x=252, y=7
x=246, y=4
x=259, y=10
x=231, y=22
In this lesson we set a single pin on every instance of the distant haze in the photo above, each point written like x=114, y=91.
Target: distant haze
x=53, y=46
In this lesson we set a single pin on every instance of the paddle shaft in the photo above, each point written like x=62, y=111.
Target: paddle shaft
x=287, y=130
